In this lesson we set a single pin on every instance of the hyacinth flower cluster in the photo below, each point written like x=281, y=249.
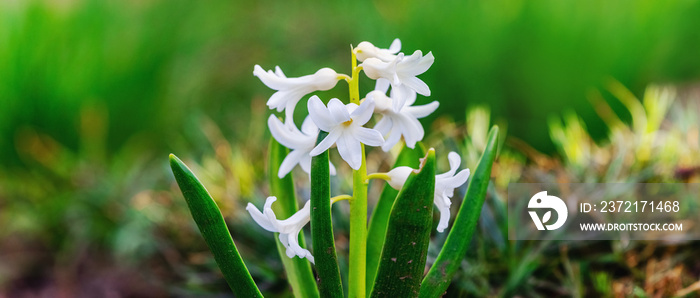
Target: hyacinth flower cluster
x=387, y=258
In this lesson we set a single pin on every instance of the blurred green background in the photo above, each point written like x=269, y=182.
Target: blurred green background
x=94, y=95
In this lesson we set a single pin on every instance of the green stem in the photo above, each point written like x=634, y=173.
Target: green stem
x=354, y=82
x=358, y=208
x=340, y=198
x=383, y=176
x=358, y=231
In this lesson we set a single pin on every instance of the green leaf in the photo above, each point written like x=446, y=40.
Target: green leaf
x=299, y=273
x=408, y=234
x=380, y=215
x=329, y=284
x=455, y=247
x=213, y=228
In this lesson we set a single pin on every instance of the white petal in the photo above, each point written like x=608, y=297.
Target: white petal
x=259, y=218
x=444, y=210
x=338, y=111
x=393, y=139
x=364, y=112
x=350, y=150
x=284, y=239
x=368, y=136
x=382, y=103
x=424, y=110
x=292, y=159
x=294, y=245
x=416, y=64
x=308, y=127
x=400, y=97
x=332, y=168
x=398, y=177
x=297, y=220
x=320, y=114
x=366, y=50
x=305, y=162
x=450, y=183
x=270, y=214
x=395, y=46
x=279, y=73
x=382, y=85
x=285, y=136
x=375, y=69
x=384, y=125
x=410, y=128
x=327, y=142
x=279, y=99
x=270, y=79
x=324, y=79
x=417, y=84
x=454, y=160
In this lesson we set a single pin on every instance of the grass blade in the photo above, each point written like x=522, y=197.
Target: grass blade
x=299, y=274
x=213, y=228
x=380, y=215
x=407, y=236
x=455, y=247
x=329, y=284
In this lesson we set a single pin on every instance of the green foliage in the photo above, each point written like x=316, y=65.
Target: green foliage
x=214, y=231
x=329, y=284
x=454, y=249
x=376, y=233
x=408, y=235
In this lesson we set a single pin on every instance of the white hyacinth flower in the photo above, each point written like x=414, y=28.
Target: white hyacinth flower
x=291, y=90
x=299, y=142
x=366, y=50
x=401, y=71
x=403, y=121
x=344, y=126
x=288, y=228
x=445, y=185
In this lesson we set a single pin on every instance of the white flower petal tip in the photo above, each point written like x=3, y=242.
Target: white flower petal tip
x=366, y=50
x=344, y=126
x=300, y=143
x=445, y=185
x=291, y=90
x=288, y=229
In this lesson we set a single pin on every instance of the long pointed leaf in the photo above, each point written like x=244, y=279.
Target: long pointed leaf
x=214, y=230
x=329, y=284
x=455, y=247
x=408, y=234
x=299, y=274
x=380, y=215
